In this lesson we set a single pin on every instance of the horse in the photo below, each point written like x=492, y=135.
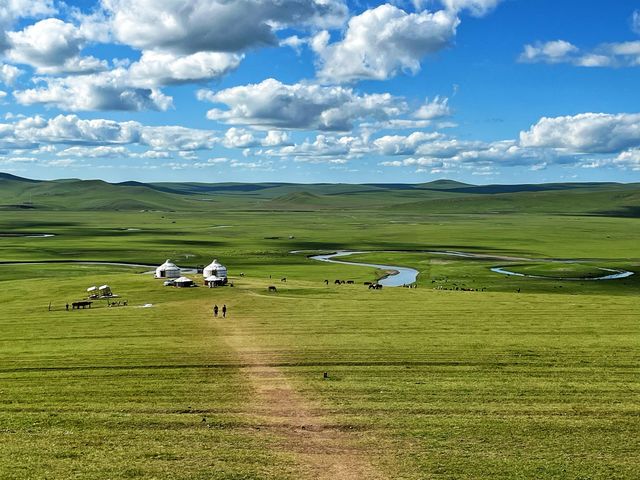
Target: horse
x=326, y=282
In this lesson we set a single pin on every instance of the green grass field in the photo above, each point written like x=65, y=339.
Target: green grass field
x=431, y=382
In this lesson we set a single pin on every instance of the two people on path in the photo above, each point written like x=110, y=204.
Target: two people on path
x=224, y=311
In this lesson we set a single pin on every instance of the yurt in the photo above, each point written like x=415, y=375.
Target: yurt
x=105, y=291
x=167, y=270
x=92, y=292
x=214, y=281
x=215, y=269
x=183, y=282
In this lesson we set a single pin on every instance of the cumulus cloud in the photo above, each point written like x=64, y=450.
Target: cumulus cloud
x=52, y=46
x=475, y=7
x=433, y=109
x=585, y=133
x=382, y=42
x=323, y=149
x=404, y=145
x=103, y=91
x=215, y=25
x=94, y=152
x=161, y=68
x=556, y=51
x=9, y=74
x=40, y=133
x=622, y=54
x=273, y=104
x=635, y=22
x=12, y=10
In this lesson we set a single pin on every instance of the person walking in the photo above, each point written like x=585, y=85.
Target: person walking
x=224, y=311
x=215, y=310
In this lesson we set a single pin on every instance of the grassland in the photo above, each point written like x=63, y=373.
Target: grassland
x=422, y=383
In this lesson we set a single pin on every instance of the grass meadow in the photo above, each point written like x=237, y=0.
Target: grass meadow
x=421, y=383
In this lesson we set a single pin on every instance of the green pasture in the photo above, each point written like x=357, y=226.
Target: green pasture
x=472, y=375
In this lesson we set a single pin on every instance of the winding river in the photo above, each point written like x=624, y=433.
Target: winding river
x=399, y=276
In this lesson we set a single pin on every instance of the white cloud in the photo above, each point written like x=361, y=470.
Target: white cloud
x=239, y=138
x=159, y=68
x=52, y=46
x=38, y=133
x=629, y=159
x=9, y=74
x=323, y=149
x=585, y=133
x=475, y=7
x=215, y=25
x=175, y=138
x=276, y=138
x=102, y=151
x=102, y=91
x=635, y=22
x=622, y=54
x=273, y=104
x=431, y=110
x=404, y=145
x=383, y=41
x=557, y=51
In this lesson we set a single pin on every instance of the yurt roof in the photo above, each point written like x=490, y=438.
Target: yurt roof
x=92, y=289
x=104, y=287
x=168, y=265
x=183, y=280
x=215, y=264
x=213, y=278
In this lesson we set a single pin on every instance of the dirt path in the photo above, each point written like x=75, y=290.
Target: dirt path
x=301, y=428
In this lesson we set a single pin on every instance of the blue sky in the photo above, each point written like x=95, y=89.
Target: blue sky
x=482, y=91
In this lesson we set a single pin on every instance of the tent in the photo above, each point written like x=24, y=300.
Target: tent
x=167, y=270
x=105, y=291
x=215, y=269
x=184, y=282
x=214, y=281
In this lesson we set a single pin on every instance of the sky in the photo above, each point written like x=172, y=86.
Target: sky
x=480, y=91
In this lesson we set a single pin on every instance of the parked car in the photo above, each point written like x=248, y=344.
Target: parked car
x=170, y=283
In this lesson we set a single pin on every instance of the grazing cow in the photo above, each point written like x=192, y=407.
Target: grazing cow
x=326, y=282
x=272, y=288
x=342, y=282
x=378, y=286
x=337, y=282
x=350, y=282
x=284, y=279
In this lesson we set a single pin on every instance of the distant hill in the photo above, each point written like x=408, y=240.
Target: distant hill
x=441, y=196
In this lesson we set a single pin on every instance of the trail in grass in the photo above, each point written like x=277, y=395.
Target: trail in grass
x=300, y=427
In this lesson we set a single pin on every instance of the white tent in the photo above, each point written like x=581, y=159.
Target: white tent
x=214, y=281
x=167, y=270
x=105, y=291
x=215, y=269
x=184, y=282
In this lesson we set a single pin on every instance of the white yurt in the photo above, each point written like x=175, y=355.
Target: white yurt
x=214, y=281
x=105, y=291
x=215, y=269
x=168, y=270
x=184, y=282
x=92, y=292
